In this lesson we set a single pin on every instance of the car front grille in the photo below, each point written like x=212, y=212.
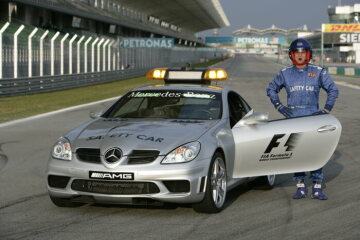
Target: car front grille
x=142, y=156
x=111, y=187
x=91, y=155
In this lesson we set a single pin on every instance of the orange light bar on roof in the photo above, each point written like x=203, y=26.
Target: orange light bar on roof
x=156, y=74
x=215, y=74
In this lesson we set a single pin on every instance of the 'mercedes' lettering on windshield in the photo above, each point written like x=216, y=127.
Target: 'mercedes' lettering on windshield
x=154, y=94
x=199, y=95
x=172, y=95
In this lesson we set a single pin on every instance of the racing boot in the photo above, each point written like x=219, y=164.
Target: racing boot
x=317, y=192
x=300, y=191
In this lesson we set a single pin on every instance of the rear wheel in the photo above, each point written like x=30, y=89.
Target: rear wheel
x=215, y=193
x=65, y=202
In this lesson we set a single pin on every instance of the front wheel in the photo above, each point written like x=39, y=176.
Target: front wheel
x=215, y=193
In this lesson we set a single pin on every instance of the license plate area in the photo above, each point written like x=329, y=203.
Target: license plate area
x=116, y=176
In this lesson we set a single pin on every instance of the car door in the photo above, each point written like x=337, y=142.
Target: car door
x=285, y=145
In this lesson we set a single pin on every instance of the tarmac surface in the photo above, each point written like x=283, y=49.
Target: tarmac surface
x=26, y=211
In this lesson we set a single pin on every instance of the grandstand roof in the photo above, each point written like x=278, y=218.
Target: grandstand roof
x=194, y=15
x=190, y=16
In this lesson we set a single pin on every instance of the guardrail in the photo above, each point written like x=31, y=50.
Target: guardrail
x=23, y=86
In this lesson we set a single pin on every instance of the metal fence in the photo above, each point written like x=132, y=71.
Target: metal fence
x=35, y=60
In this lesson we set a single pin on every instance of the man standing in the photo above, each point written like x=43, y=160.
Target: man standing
x=303, y=82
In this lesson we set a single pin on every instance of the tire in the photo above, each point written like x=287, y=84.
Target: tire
x=264, y=182
x=65, y=202
x=216, y=187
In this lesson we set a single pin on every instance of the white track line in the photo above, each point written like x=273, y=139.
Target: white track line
x=55, y=112
x=347, y=84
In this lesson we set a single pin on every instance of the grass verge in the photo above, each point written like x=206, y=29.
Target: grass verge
x=12, y=108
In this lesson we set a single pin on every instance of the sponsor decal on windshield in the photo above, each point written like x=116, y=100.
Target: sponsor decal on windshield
x=172, y=95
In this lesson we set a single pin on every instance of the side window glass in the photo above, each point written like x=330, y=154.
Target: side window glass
x=237, y=108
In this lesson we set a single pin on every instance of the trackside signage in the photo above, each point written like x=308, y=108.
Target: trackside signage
x=147, y=43
x=341, y=33
x=336, y=28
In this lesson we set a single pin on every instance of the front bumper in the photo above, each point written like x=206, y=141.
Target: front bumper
x=174, y=183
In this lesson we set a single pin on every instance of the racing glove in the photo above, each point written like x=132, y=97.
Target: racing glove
x=326, y=109
x=287, y=112
x=323, y=111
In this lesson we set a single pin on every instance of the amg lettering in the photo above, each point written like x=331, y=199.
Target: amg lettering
x=112, y=176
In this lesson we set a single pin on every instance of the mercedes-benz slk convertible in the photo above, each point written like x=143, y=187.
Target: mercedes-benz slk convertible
x=182, y=141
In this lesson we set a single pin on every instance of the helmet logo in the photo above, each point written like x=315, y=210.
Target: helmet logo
x=299, y=44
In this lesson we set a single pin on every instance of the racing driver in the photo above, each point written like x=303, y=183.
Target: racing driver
x=302, y=82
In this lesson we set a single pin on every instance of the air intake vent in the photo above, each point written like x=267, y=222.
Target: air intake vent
x=91, y=155
x=109, y=187
x=142, y=156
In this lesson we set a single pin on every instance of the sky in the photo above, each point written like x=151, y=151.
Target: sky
x=285, y=14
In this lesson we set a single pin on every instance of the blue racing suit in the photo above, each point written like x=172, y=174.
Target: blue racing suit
x=303, y=86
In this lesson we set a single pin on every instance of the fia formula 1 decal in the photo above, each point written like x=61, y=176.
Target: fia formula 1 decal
x=280, y=147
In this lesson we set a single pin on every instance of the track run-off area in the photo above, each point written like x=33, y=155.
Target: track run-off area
x=26, y=211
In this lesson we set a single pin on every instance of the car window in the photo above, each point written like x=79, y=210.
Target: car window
x=172, y=104
x=237, y=108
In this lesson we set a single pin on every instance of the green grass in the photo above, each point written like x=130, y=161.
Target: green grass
x=12, y=108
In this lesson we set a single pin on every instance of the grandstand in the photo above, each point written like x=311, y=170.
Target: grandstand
x=48, y=45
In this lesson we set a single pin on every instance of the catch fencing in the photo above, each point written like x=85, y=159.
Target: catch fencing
x=34, y=60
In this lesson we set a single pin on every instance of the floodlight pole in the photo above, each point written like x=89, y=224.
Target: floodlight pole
x=85, y=56
x=30, y=51
x=109, y=55
x=98, y=54
x=16, y=50
x=70, y=52
x=6, y=25
x=78, y=54
x=52, y=53
x=92, y=54
x=42, y=52
x=62, y=53
x=104, y=53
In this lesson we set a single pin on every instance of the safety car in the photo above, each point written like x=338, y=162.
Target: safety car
x=184, y=140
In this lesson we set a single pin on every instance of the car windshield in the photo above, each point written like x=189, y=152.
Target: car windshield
x=168, y=104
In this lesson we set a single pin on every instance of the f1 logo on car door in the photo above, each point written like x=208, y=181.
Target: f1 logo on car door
x=280, y=147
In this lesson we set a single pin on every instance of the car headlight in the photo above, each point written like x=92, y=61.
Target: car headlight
x=182, y=154
x=62, y=149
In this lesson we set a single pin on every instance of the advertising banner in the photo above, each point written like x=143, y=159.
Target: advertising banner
x=219, y=39
x=146, y=42
x=246, y=40
x=336, y=28
x=341, y=38
x=341, y=33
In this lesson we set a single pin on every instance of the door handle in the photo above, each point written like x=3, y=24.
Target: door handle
x=326, y=128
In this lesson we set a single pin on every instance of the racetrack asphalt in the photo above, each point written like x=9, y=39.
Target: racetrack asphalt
x=26, y=211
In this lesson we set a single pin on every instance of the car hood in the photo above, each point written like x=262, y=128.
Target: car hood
x=134, y=134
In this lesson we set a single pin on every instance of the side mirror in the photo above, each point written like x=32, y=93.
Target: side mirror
x=253, y=118
x=96, y=114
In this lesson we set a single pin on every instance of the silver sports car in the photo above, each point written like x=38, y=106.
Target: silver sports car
x=182, y=141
